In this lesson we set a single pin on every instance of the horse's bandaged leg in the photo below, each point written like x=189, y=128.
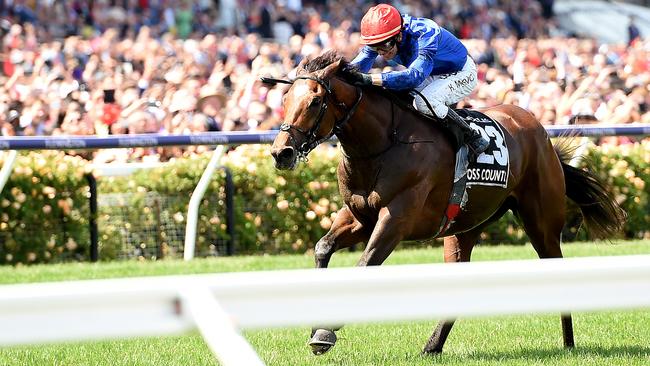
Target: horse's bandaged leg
x=461, y=163
x=323, y=248
x=458, y=197
x=458, y=193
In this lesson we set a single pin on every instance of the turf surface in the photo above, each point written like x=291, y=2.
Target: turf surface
x=602, y=338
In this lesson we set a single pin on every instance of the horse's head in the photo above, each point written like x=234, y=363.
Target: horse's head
x=310, y=108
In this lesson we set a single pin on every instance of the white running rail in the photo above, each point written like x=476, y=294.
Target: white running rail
x=220, y=304
x=195, y=202
x=7, y=167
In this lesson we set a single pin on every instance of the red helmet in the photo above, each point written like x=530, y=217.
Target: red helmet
x=380, y=23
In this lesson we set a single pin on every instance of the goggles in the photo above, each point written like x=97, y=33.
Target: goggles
x=384, y=46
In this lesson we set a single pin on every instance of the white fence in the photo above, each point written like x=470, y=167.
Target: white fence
x=219, y=304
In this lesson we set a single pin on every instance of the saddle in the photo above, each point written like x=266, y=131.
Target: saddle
x=405, y=100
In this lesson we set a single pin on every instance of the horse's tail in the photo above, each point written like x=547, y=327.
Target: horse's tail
x=602, y=214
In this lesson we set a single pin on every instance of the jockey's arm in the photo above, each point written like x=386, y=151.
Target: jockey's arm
x=410, y=77
x=365, y=59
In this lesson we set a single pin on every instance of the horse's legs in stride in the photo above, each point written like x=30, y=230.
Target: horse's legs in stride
x=388, y=231
x=383, y=239
x=385, y=236
x=345, y=232
x=458, y=248
x=543, y=219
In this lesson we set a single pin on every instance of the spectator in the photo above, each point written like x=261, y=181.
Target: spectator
x=170, y=75
x=633, y=32
x=183, y=19
x=211, y=104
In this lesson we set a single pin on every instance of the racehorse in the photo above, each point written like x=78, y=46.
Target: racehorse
x=396, y=174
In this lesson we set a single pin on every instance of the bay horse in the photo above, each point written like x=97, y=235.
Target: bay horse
x=396, y=173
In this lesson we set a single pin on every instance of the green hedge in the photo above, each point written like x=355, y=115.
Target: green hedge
x=44, y=206
x=44, y=209
x=273, y=213
x=627, y=170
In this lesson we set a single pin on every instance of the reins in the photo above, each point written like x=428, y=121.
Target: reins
x=393, y=140
x=311, y=136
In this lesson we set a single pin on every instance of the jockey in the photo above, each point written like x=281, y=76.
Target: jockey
x=437, y=65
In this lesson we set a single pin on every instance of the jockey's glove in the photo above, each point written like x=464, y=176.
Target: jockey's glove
x=360, y=78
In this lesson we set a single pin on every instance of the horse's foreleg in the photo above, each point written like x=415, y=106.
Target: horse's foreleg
x=385, y=236
x=457, y=249
x=345, y=232
x=439, y=337
x=388, y=232
x=567, y=330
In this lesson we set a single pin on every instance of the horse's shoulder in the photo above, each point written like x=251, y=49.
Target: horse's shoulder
x=402, y=98
x=420, y=126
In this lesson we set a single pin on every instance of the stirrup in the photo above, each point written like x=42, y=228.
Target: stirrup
x=477, y=144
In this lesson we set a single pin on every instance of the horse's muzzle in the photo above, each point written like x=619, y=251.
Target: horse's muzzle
x=285, y=157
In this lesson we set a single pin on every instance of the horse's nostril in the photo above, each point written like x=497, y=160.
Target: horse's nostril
x=285, y=154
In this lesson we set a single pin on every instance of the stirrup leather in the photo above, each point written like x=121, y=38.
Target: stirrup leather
x=477, y=143
x=472, y=138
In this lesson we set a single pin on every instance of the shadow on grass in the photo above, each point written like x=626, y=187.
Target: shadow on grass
x=537, y=354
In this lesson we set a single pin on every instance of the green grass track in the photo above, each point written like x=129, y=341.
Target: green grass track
x=602, y=338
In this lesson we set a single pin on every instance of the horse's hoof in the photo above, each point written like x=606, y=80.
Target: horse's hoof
x=431, y=352
x=322, y=341
x=319, y=349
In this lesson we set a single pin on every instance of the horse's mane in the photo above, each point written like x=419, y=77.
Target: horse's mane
x=328, y=58
x=345, y=73
x=324, y=60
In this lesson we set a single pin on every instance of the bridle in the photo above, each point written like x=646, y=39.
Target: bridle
x=311, y=136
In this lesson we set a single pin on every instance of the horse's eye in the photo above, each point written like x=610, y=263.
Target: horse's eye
x=314, y=102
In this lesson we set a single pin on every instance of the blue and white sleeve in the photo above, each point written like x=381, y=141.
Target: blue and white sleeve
x=410, y=77
x=365, y=59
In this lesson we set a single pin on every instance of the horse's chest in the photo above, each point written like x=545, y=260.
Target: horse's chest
x=365, y=202
x=361, y=192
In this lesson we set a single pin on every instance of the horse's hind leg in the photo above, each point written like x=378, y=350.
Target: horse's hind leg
x=543, y=218
x=457, y=248
x=345, y=232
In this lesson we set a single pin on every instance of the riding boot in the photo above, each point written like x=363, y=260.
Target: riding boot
x=457, y=125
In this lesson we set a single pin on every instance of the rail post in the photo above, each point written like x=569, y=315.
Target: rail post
x=230, y=212
x=7, y=167
x=92, y=222
x=195, y=202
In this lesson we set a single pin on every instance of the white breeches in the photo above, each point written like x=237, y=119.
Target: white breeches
x=446, y=89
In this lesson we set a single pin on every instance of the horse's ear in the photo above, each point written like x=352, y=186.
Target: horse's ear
x=331, y=69
x=301, y=66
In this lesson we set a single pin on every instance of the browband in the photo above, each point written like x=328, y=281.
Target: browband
x=273, y=81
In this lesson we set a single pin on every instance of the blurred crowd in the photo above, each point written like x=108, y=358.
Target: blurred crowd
x=181, y=67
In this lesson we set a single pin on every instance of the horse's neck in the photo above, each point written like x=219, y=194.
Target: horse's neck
x=369, y=130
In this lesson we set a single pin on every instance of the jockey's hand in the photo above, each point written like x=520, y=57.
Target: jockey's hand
x=360, y=78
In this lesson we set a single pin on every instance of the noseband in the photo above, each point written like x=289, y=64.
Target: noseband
x=311, y=138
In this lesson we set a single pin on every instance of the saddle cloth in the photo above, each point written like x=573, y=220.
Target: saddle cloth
x=491, y=168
